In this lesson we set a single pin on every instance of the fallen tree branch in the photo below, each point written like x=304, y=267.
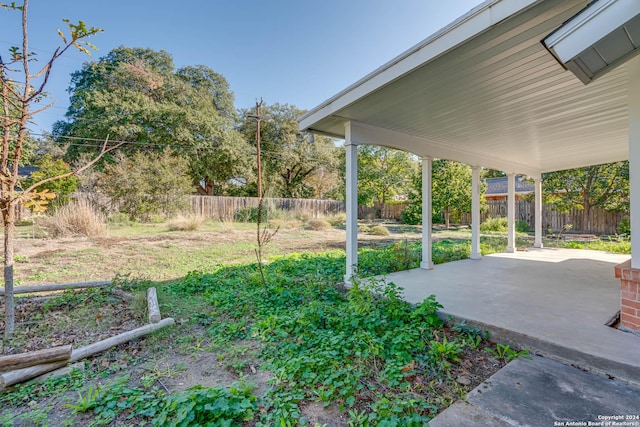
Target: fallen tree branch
x=57, y=287
x=20, y=375
x=152, y=304
x=59, y=372
x=38, y=357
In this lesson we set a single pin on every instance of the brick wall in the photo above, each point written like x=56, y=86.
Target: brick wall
x=629, y=295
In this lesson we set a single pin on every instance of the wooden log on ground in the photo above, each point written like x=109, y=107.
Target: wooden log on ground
x=57, y=287
x=38, y=357
x=152, y=304
x=122, y=294
x=59, y=372
x=10, y=378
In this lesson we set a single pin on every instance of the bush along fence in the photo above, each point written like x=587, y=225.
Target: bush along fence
x=599, y=221
x=229, y=208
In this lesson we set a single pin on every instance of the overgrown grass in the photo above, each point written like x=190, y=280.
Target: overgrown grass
x=613, y=245
x=367, y=352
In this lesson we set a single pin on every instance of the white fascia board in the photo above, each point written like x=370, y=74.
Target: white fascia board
x=589, y=26
x=468, y=26
x=365, y=134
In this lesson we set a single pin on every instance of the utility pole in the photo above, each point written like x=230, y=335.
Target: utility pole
x=258, y=118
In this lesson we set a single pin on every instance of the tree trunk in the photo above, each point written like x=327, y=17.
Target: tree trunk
x=586, y=227
x=9, y=231
x=446, y=218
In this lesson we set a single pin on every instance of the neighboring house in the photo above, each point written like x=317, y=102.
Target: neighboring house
x=497, y=188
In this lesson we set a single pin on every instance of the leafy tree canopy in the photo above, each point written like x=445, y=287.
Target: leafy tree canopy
x=383, y=173
x=136, y=95
x=290, y=164
x=604, y=186
x=451, y=193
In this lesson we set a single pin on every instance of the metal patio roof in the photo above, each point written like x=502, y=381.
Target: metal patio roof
x=486, y=92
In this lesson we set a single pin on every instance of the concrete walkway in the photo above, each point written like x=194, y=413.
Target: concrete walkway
x=540, y=393
x=553, y=301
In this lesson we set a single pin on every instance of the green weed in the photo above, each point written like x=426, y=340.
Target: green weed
x=506, y=353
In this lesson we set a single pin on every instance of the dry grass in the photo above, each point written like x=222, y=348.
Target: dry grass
x=379, y=230
x=318, y=225
x=186, y=223
x=74, y=219
x=285, y=224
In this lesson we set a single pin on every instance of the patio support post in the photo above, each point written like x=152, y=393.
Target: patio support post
x=537, y=183
x=475, y=213
x=629, y=272
x=351, y=201
x=511, y=212
x=427, y=259
x=634, y=159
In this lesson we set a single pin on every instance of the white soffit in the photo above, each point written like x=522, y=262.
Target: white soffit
x=605, y=33
x=485, y=91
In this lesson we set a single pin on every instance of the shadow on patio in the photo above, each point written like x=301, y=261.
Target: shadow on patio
x=553, y=301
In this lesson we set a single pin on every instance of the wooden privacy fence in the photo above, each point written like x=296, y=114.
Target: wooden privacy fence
x=599, y=221
x=385, y=212
x=226, y=208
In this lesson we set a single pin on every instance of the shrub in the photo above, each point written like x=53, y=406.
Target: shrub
x=522, y=226
x=147, y=184
x=186, y=223
x=62, y=188
x=624, y=226
x=412, y=214
x=74, y=219
x=494, y=224
x=379, y=230
x=318, y=225
x=337, y=219
x=250, y=214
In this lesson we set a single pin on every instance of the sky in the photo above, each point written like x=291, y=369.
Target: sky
x=298, y=52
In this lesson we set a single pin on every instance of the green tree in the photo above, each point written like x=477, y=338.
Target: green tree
x=22, y=92
x=451, y=188
x=451, y=193
x=289, y=161
x=62, y=188
x=147, y=183
x=136, y=95
x=603, y=186
x=384, y=173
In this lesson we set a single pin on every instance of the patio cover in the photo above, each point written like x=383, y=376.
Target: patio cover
x=486, y=92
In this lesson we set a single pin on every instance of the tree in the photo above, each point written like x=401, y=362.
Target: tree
x=451, y=192
x=22, y=93
x=136, y=95
x=603, y=186
x=147, y=183
x=451, y=188
x=47, y=168
x=288, y=161
x=384, y=173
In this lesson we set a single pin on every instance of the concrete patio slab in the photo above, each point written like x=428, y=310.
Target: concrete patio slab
x=553, y=301
x=541, y=392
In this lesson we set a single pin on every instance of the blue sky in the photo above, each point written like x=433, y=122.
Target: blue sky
x=298, y=52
